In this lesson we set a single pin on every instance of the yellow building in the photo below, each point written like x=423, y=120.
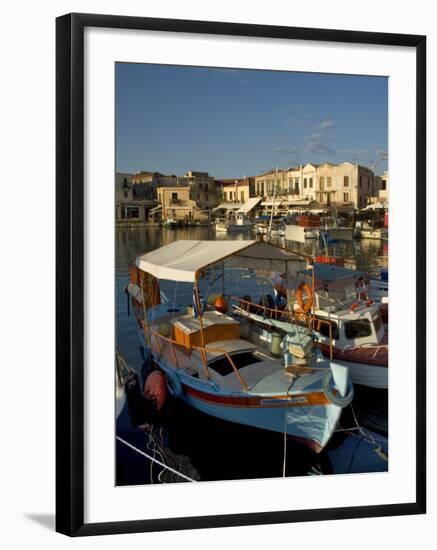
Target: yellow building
x=341, y=184
x=237, y=191
x=177, y=203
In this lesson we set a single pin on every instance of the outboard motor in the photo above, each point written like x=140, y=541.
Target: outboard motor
x=297, y=348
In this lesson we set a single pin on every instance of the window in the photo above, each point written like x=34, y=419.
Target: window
x=126, y=194
x=305, y=183
x=361, y=181
x=321, y=181
x=357, y=329
x=311, y=182
x=345, y=197
x=346, y=181
x=206, y=196
x=206, y=187
x=383, y=185
x=242, y=196
x=329, y=181
x=200, y=186
x=368, y=183
x=323, y=328
x=198, y=196
x=174, y=196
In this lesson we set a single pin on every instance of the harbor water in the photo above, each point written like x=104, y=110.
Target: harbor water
x=216, y=449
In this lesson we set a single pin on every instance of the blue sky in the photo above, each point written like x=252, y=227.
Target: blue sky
x=233, y=123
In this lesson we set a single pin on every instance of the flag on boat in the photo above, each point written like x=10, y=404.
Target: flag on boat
x=198, y=304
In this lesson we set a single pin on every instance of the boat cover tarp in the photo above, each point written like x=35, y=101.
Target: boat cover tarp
x=183, y=260
x=250, y=205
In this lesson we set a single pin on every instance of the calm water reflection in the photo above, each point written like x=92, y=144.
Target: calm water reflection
x=221, y=450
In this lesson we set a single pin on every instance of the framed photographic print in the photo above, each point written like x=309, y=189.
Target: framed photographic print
x=240, y=274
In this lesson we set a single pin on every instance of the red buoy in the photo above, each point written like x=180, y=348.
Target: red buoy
x=155, y=387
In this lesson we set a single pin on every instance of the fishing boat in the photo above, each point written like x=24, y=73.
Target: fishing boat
x=170, y=223
x=234, y=222
x=335, y=302
x=380, y=234
x=222, y=366
x=263, y=227
x=378, y=292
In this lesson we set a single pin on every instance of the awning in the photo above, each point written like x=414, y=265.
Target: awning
x=156, y=209
x=276, y=203
x=250, y=205
x=227, y=206
x=298, y=202
x=183, y=260
x=376, y=206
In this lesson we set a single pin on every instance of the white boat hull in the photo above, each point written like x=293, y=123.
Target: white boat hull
x=372, y=376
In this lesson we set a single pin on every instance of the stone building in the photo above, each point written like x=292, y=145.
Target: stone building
x=238, y=190
x=287, y=183
x=341, y=184
x=204, y=190
x=130, y=205
x=179, y=203
x=382, y=183
x=145, y=184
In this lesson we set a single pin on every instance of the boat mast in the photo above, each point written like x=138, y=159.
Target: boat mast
x=202, y=337
x=273, y=205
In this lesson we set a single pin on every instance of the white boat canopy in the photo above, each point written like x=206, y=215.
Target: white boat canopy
x=185, y=260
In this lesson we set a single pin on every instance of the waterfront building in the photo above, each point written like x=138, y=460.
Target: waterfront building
x=128, y=203
x=179, y=203
x=382, y=186
x=203, y=189
x=237, y=190
x=343, y=184
x=145, y=184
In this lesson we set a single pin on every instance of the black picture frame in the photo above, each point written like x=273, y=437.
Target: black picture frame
x=70, y=273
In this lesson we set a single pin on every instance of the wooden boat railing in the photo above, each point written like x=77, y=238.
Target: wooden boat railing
x=203, y=351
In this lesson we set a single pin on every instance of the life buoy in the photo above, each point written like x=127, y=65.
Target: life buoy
x=305, y=307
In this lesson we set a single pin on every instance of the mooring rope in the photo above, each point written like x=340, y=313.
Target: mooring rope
x=154, y=459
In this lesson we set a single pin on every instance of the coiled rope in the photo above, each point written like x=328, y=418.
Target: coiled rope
x=155, y=460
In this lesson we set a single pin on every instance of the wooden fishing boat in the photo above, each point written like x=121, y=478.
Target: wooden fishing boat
x=349, y=326
x=216, y=364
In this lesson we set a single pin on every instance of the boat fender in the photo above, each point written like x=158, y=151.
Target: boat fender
x=354, y=306
x=174, y=385
x=155, y=388
x=220, y=304
x=305, y=307
x=369, y=302
x=336, y=399
x=141, y=411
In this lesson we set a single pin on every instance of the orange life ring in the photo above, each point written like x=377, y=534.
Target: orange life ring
x=304, y=306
